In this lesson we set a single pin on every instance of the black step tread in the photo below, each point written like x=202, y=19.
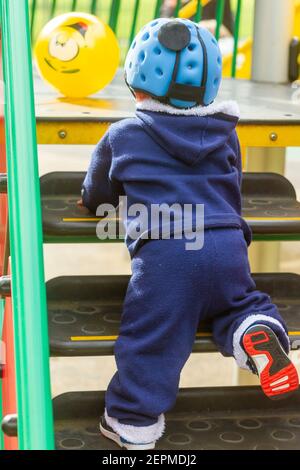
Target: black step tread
x=269, y=205
x=84, y=312
x=225, y=418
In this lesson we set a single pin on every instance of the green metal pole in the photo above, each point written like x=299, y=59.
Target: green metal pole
x=94, y=7
x=74, y=5
x=236, y=37
x=52, y=9
x=157, y=8
x=33, y=12
x=178, y=5
x=219, y=17
x=134, y=21
x=114, y=14
x=2, y=306
x=35, y=420
x=198, y=15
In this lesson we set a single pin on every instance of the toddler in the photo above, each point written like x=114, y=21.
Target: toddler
x=180, y=149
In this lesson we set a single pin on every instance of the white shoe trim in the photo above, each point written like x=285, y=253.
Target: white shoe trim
x=137, y=434
x=282, y=387
x=113, y=436
x=261, y=361
x=230, y=108
x=277, y=382
x=238, y=351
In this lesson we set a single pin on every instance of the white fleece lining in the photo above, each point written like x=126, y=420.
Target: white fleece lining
x=137, y=434
x=230, y=108
x=238, y=351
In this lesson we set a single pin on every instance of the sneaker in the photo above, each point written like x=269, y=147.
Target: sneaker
x=278, y=375
x=109, y=433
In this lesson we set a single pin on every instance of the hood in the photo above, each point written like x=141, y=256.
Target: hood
x=188, y=135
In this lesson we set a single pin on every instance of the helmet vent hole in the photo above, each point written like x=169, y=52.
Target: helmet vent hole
x=157, y=51
x=143, y=78
x=159, y=72
x=146, y=36
x=142, y=56
x=214, y=41
x=130, y=65
x=216, y=81
x=219, y=60
x=154, y=23
x=133, y=45
x=192, y=47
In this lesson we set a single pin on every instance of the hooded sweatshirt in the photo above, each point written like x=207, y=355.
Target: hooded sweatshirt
x=170, y=156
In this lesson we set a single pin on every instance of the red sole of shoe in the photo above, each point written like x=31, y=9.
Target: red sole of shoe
x=278, y=375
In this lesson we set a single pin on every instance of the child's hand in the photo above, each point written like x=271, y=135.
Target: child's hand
x=80, y=203
x=82, y=207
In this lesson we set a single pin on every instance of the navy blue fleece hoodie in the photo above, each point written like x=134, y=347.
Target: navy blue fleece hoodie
x=158, y=158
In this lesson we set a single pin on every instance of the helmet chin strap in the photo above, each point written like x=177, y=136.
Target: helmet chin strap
x=182, y=92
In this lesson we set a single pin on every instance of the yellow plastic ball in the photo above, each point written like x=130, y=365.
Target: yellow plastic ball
x=78, y=54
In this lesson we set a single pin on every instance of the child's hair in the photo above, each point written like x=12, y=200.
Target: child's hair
x=175, y=62
x=140, y=96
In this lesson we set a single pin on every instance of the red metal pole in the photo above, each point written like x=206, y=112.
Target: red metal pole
x=9, y=400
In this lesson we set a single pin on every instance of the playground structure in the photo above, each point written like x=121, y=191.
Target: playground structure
x=45, y=211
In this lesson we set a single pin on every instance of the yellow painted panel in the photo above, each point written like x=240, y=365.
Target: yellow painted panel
x=244, y=157
x=255, y=135
x=244, y=61
x=114, y=338
x=296, y=31
x=90, y=219
x=70, y=133
x=93, y=338
x=89, y=133
x=190, y=8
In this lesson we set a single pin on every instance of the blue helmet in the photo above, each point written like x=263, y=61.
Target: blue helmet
x=175, y=62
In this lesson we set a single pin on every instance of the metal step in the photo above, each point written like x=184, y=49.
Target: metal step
x=225, y=418
x=84, y=312
x=269, y=205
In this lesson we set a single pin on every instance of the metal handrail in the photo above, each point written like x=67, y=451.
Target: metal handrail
x=35, y=420
x=236, y=37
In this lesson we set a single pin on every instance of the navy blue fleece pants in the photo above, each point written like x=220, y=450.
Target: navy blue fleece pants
x=170, y=291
